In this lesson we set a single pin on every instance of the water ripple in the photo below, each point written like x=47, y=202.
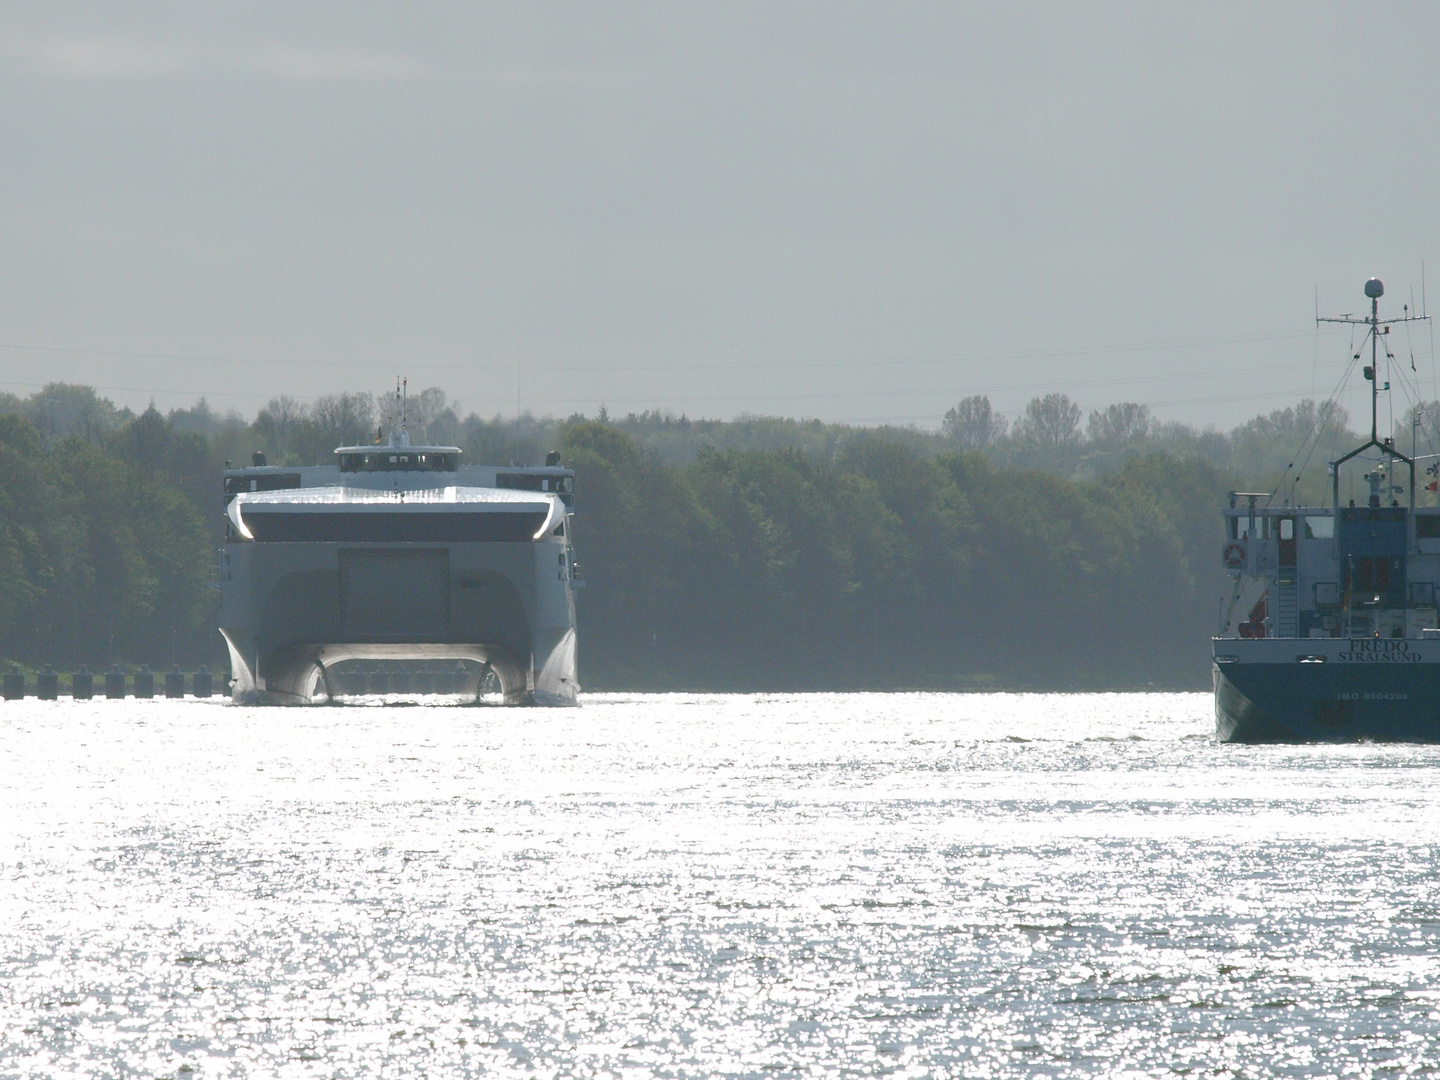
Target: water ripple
x=686, y=886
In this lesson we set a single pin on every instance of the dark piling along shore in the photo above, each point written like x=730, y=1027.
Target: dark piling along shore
x=49, y=686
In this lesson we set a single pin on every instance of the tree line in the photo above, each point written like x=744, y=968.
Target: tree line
x=1056, y=550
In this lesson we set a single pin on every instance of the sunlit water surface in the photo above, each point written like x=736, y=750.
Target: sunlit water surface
x=687, y=886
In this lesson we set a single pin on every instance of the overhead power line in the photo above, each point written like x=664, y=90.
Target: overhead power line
x=540, y=366
x=951, y=394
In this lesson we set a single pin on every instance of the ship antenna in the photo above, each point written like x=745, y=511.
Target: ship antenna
x=1425, y=314
x=1374, y=289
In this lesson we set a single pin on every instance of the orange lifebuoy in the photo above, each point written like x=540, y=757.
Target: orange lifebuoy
x=1234, y=556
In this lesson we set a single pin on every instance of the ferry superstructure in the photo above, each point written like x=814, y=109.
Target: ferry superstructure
x=399, y=552
x=1340, y=640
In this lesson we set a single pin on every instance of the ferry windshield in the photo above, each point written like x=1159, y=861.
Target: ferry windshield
x=533, y=482
x=394, y=459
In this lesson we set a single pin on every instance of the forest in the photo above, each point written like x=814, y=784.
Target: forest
x=1054, y=551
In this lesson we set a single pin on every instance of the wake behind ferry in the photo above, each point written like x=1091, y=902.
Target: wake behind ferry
x=1343, y=642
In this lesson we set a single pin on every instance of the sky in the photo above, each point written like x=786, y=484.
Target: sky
x=856, y=212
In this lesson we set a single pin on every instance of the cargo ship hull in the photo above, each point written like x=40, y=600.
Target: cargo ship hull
x=1327, y=690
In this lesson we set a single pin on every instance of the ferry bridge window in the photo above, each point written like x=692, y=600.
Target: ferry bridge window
x=1319, y=528
x=1427, y=526
x=234, y=485
x=388, y=460
x=1287, y=528
x=277, y=481
x=534, y=482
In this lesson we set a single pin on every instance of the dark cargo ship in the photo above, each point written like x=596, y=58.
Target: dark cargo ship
x=1343, y=642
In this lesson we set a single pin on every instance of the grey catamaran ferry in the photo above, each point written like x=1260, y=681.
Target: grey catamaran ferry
x=1342, y=640
x=399, y=553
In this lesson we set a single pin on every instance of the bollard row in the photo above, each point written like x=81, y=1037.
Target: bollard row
x=112, y=684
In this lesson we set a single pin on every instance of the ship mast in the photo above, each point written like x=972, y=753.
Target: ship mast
x=1374, y=289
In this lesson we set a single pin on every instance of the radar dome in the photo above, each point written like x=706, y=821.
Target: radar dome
x=1374, y=288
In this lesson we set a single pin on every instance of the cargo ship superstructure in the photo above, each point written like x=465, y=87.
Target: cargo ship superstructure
x=398, y=552
x=1340, y=639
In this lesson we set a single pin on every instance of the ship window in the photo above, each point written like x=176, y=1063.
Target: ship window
x=280, y=526
x=1319, y=528
x=1234, y=528
x=533, y=482
x=1427, y=526
x=387, y=462
x=277, y=481
x=1371, y=575
x=234, y=485
x=1287, y=528
x=520, y=482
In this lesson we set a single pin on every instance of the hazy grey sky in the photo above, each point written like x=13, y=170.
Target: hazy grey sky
x=848, y=211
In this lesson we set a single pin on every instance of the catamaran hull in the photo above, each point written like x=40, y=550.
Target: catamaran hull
x=1327, y=690
x=300, y=674
x=292, y=611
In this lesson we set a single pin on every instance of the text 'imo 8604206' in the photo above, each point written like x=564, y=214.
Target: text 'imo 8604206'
x=1342, y=640
x=398, y=564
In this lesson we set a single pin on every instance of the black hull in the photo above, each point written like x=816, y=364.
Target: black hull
x=1327, y=702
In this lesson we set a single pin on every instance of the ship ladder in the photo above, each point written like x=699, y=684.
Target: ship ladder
x=1287, y=609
